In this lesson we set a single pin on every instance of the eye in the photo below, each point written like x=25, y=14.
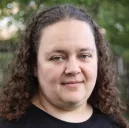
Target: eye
x=85, y=56
x=57, y=58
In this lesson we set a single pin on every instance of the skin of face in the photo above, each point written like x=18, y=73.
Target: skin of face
x=66, y=64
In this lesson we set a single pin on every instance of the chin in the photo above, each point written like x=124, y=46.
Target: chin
x=74, y=102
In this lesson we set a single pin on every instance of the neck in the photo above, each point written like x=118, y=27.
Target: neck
x=77, y=114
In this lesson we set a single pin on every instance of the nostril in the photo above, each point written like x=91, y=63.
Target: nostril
x=72, y=70
x=72, y=73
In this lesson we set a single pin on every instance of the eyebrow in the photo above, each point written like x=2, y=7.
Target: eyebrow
x=82, y=49
x=65, y=51
x=87, y=49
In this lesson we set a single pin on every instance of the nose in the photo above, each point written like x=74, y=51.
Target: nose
x=72, y=67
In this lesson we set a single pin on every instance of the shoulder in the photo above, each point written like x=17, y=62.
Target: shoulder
x=32, y=118
x=4, y=123
x=19, y=123
x=105, y=120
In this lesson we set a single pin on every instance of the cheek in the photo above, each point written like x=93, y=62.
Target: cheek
x=49, y=75
x=90, y=72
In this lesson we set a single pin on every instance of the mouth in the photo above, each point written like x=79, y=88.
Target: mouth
x=72, y=83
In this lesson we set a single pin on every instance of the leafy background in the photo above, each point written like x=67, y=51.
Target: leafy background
x=111, y=15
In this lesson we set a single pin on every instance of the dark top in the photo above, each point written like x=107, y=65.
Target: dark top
x=37, y=118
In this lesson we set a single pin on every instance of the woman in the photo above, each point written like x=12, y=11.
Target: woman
x=62, y=76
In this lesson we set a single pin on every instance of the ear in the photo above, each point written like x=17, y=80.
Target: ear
x=35, y=72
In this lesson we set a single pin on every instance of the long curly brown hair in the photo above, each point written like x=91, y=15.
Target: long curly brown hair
x=16, y=95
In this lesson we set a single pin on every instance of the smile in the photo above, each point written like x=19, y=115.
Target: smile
x=72, y=83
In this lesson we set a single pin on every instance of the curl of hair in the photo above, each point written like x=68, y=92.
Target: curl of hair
x=17, y=93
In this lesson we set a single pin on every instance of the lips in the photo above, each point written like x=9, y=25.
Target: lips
x=72, y=83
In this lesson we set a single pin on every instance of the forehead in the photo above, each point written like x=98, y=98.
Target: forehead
x=67, y=33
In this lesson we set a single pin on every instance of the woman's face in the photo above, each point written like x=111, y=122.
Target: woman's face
x=67, y=63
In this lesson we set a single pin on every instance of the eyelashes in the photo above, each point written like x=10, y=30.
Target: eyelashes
x=60, y=58
x=57, y=58
x=85, y=56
